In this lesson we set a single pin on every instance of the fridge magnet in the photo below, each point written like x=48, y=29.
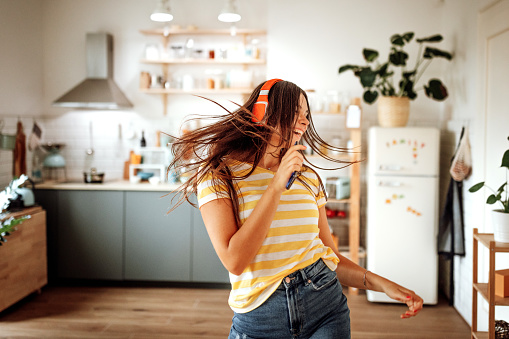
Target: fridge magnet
x=394, y=197
x=411, y=210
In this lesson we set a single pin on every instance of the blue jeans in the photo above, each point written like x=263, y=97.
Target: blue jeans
x=309, y=303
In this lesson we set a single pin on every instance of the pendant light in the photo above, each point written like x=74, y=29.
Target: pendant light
x=229, y=12
x=162, y=12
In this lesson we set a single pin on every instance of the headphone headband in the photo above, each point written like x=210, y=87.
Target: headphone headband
x=260, y=106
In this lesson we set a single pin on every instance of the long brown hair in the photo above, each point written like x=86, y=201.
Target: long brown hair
x=234, y=136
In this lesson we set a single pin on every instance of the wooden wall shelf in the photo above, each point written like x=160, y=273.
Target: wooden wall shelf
x=486, y=290
x=191, y=61
x=196, y=91
x=166, y=31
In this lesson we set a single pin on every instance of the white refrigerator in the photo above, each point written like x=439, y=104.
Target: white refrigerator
x=402, y=209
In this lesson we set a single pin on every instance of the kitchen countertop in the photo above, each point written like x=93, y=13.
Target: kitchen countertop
x=119, y=185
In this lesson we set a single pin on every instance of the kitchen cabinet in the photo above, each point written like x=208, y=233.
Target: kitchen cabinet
x=157, y=245
x=172, y=63
x=23, y=259
x=127, y=235
x=51, y=228
x=486, y=290
x=205, y=263
x=90, y=234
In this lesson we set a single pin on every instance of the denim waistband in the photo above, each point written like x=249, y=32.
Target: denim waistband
x=303, y=274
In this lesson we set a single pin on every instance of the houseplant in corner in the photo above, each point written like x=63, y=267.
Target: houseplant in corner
x=500, y=217
x=378, y=77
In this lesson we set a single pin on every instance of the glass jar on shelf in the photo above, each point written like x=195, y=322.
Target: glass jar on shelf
x=152, y=52
x=198, y=53
x=334, y=99
x=337, y=142
x=176, y=51
x=315, y=104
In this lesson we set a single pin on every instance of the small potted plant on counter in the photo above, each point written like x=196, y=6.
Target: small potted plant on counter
x=500, y=217
x=377, y=77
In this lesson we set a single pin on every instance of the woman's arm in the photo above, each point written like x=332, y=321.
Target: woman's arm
x=236, y=247
x=351, y=274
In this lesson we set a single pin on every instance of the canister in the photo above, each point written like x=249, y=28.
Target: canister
x=7, y=141
x=338, y=187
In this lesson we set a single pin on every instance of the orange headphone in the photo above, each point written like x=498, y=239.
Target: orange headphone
x=260, y=106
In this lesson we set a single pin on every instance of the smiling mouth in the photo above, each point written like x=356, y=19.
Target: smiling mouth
x=298, y=132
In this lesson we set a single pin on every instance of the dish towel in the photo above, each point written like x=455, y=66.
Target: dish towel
x=35, y=137
x=451, y=237
x=19, y=164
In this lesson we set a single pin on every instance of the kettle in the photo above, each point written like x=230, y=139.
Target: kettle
x=26, y=195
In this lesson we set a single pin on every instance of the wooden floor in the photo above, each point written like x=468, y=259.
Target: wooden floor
x=148, y=312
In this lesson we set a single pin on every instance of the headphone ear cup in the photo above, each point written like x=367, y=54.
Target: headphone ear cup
x=259, y=109
x=260, y=106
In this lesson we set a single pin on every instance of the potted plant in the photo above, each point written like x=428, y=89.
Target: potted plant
x=377, y=77
x=500, y=217
x=8, y=225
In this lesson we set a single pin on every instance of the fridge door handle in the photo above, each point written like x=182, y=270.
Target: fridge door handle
x=394, y=168
x=390, y=184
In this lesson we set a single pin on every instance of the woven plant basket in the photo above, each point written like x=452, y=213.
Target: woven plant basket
x=393, y=111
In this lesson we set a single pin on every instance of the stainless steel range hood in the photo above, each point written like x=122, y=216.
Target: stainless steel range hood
x=98, y=90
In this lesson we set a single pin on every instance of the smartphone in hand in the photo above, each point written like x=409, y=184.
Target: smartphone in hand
x=292, y=177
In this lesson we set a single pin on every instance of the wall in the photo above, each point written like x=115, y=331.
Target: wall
x=21, y=93
x=459, y=111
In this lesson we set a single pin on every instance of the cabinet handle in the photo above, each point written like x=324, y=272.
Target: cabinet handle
x=390, y=184
x=394, y=168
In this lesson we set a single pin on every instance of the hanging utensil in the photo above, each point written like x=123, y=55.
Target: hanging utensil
x=90, y=151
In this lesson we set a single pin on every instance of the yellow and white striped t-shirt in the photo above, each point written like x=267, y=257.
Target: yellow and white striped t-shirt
x=292, y=242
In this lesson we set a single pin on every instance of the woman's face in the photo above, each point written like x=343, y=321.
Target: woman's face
x=300, y=124
x=301, y=120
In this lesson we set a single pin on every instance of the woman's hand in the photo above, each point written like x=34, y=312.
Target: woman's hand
x=400, y=293
x=291, y=162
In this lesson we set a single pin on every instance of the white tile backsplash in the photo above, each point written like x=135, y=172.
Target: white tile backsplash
x=114, y=134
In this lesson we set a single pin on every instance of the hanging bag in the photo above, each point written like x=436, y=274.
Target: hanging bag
x=461, y=165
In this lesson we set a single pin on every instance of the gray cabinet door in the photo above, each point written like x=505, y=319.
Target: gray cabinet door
x=90, y=234
x=206, y=264
x=48, y=199
x=157, y=245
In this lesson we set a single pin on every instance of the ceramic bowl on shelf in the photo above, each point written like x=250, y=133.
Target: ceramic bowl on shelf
x=154, y=180
x=145, y=175
x=134, y=179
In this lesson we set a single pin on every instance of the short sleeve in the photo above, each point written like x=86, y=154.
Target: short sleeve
x=320, y=198
x=209, y=189
x=313, y=180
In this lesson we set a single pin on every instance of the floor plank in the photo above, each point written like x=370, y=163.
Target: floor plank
x=163, y=312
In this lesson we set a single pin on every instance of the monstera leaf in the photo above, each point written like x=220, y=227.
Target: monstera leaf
x=377, y=77
x=436, y=90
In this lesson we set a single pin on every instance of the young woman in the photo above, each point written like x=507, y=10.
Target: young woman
x=271, y=235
